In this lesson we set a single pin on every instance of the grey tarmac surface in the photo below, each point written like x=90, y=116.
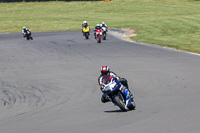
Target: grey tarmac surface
x=49, y=85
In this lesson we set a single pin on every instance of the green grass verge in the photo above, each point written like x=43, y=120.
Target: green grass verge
x=170, y=23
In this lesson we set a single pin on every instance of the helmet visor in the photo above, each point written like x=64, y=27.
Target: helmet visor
x=104, y=72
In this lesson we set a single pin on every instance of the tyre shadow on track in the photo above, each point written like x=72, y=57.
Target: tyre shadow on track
x=114, y=111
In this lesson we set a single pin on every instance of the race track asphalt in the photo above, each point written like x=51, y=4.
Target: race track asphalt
x=49, y=85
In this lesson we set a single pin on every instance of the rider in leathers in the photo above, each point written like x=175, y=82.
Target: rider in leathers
x=85, y=24
x=105, y=70
x=104, y=25
x=25, y=31
x=95, y=28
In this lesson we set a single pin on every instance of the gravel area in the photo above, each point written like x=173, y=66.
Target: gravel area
x=124, y=34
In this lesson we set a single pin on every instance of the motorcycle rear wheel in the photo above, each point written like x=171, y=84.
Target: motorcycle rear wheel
x=132, y=106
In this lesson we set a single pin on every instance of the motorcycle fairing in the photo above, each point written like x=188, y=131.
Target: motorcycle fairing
x=86, y=29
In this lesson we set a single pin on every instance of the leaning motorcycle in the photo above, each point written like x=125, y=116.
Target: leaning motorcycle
x=118, y=93
x=86, y=32
x=98, y=35
x=28, y=35
x=104, y=30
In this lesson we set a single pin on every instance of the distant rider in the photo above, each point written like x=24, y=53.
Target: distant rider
x=25, y=31
x=85, y=24
x=104, y=25
x=95, y=28
x=105, y=70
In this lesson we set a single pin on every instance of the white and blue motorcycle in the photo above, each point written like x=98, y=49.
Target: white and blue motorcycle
x=118, y=93
x=104, y=30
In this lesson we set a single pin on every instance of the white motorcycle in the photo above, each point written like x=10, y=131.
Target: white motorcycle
x=104, y=30
x=28, y=36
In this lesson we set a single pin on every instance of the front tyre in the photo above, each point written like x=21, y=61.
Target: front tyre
x=87, y=35
x=120, y=102
x=98, y=38
x=99, y=41
x=104, y=36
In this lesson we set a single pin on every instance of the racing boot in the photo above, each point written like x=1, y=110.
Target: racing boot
x=125, y=83
x=105, y=98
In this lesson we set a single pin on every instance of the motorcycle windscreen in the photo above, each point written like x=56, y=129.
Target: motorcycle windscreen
x=107, y=79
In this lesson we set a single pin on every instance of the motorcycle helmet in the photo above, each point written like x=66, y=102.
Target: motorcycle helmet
x=84, y=22
x=24, y=27
x=103, y=22
x=105, y=70
x=98, y=25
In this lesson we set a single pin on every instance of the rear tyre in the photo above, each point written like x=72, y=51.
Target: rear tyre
x=132, y=106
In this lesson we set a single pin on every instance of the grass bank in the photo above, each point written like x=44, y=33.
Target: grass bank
x=171, y=23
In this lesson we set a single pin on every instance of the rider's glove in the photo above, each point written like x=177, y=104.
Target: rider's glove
x=102, y=86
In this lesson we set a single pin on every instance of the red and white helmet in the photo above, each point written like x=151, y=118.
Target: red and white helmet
x=105, y=70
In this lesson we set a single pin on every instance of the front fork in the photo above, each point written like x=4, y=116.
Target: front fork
x=98, y=36
x=126, y=93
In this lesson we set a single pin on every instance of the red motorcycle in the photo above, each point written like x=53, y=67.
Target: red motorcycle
x=98, y=35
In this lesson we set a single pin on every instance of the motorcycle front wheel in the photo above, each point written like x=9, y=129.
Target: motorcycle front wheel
x=120, y=102
x=99, y=39
x=27, y=37
x=87, y=35
x=104, y=36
